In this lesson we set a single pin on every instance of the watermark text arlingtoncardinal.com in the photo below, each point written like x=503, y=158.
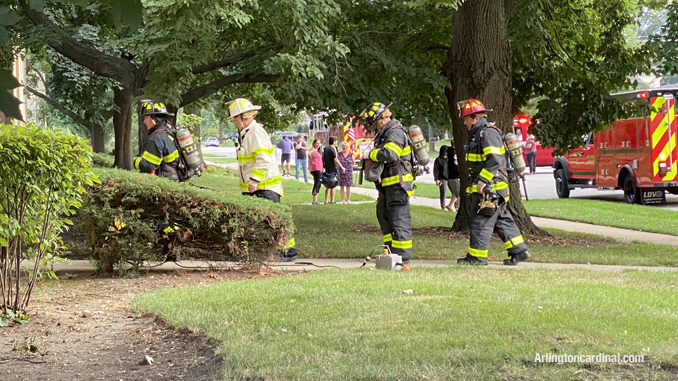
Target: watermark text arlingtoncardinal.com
x=600, y=357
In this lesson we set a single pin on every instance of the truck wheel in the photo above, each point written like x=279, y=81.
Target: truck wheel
x=631, y=191
x=562, y=189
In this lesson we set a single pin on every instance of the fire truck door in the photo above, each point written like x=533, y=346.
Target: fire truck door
x=582, y=160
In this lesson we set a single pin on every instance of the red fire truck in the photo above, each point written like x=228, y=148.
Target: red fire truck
x=636, y=155
x=522, y=125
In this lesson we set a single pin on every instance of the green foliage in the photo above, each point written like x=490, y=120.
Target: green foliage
x=189, y=121
x=43, y=175
x=125, y=215
x=102, y=160
x=573, y=54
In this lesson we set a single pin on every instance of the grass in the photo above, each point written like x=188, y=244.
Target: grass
x=296, y=192
x=423, y=189
x=617, y=214
x=459, y=324
x=354, y=232
x=220, y=159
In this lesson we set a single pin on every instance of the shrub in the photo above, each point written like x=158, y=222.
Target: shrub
x=43, y=174
x=102, y=160
x=125, y=215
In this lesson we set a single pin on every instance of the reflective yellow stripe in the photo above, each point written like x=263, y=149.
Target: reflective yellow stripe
x=245, y=158
x=402, y=244
x=171, y=157
x=262, y=184
x=387, y=238
x=406, y=151
x=515, y=241
x=487, y=175
x=410, y=193
x=500, y=185
x=136, y=163
x=471, y=189
x=395, y=148
x=373, y=154
x=258, y=173
x=290, y=243
x=151, y=158
x=477, y=253
x=267, y=151
x=395, y=179
x=474, y=157
x=494, y=150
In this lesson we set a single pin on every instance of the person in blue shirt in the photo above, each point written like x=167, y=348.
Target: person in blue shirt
x=286, y=146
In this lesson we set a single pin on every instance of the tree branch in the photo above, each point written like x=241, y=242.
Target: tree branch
x=57, y=105
x=233, y=59
x=435, y=46
x=216, y=85
x=107, y=66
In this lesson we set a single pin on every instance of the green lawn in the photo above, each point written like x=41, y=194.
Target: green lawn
x=460, y=323
x=296, y=192
x=423, y=190
x=622, y=215
x=354, y=232
x=220, y=159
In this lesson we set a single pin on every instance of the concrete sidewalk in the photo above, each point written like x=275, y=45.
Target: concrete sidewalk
x=303, y=265
x=570, y=226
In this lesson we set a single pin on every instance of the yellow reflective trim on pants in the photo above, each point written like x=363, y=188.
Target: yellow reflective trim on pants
x=494, y=150
x=267, y=151
x=402, y=244
x=474, y=157
x=406, y=151
x=290, y=243
x=262, y=184
x=136, y=163
x=477, y=253
x=171, y=157
x=500, y=185
x=151, y=158
x=487, y=175
x=396, y=179
x=410, y=193
x=395, y=148
x=515, y=241
x=258, y=173
x=387, y=238
x=245, y=158
x=471, y=189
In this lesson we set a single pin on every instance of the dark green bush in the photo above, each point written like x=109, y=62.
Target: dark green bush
x=102, y=160
x=122, y=214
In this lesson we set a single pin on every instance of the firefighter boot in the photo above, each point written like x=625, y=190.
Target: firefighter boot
x=173, y=255
x=516, y=258
x=289, y=255
x=471, y=260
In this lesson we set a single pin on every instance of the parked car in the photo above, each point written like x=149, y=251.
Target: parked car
x=232, y=136
x=212, y=142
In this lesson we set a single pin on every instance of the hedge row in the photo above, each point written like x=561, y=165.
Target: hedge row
x=124, y=218
x=102, y=160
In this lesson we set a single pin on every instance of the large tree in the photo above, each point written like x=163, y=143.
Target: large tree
x=185, y=50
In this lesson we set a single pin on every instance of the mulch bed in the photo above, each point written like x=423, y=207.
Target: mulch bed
x=83, y=329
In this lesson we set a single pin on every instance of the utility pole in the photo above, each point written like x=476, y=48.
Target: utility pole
x=431, y=144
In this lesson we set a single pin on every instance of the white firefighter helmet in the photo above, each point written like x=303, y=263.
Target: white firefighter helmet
x=240, y=106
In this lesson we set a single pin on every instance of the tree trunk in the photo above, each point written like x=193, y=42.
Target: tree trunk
x=478, y=66
x=222, y=133
x=143, y=131
x=98, y=139
x=122, y=124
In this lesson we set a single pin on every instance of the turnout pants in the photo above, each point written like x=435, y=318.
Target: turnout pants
x=290, y=250
x=393, y=213
x=482, y=227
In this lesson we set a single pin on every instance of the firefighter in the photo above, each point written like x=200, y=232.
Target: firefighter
x=489, y=189
x=258, y=171
x=392, y=148
x=161, y=156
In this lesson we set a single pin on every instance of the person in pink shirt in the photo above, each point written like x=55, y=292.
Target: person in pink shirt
x=315, y=166
x=531, y=153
